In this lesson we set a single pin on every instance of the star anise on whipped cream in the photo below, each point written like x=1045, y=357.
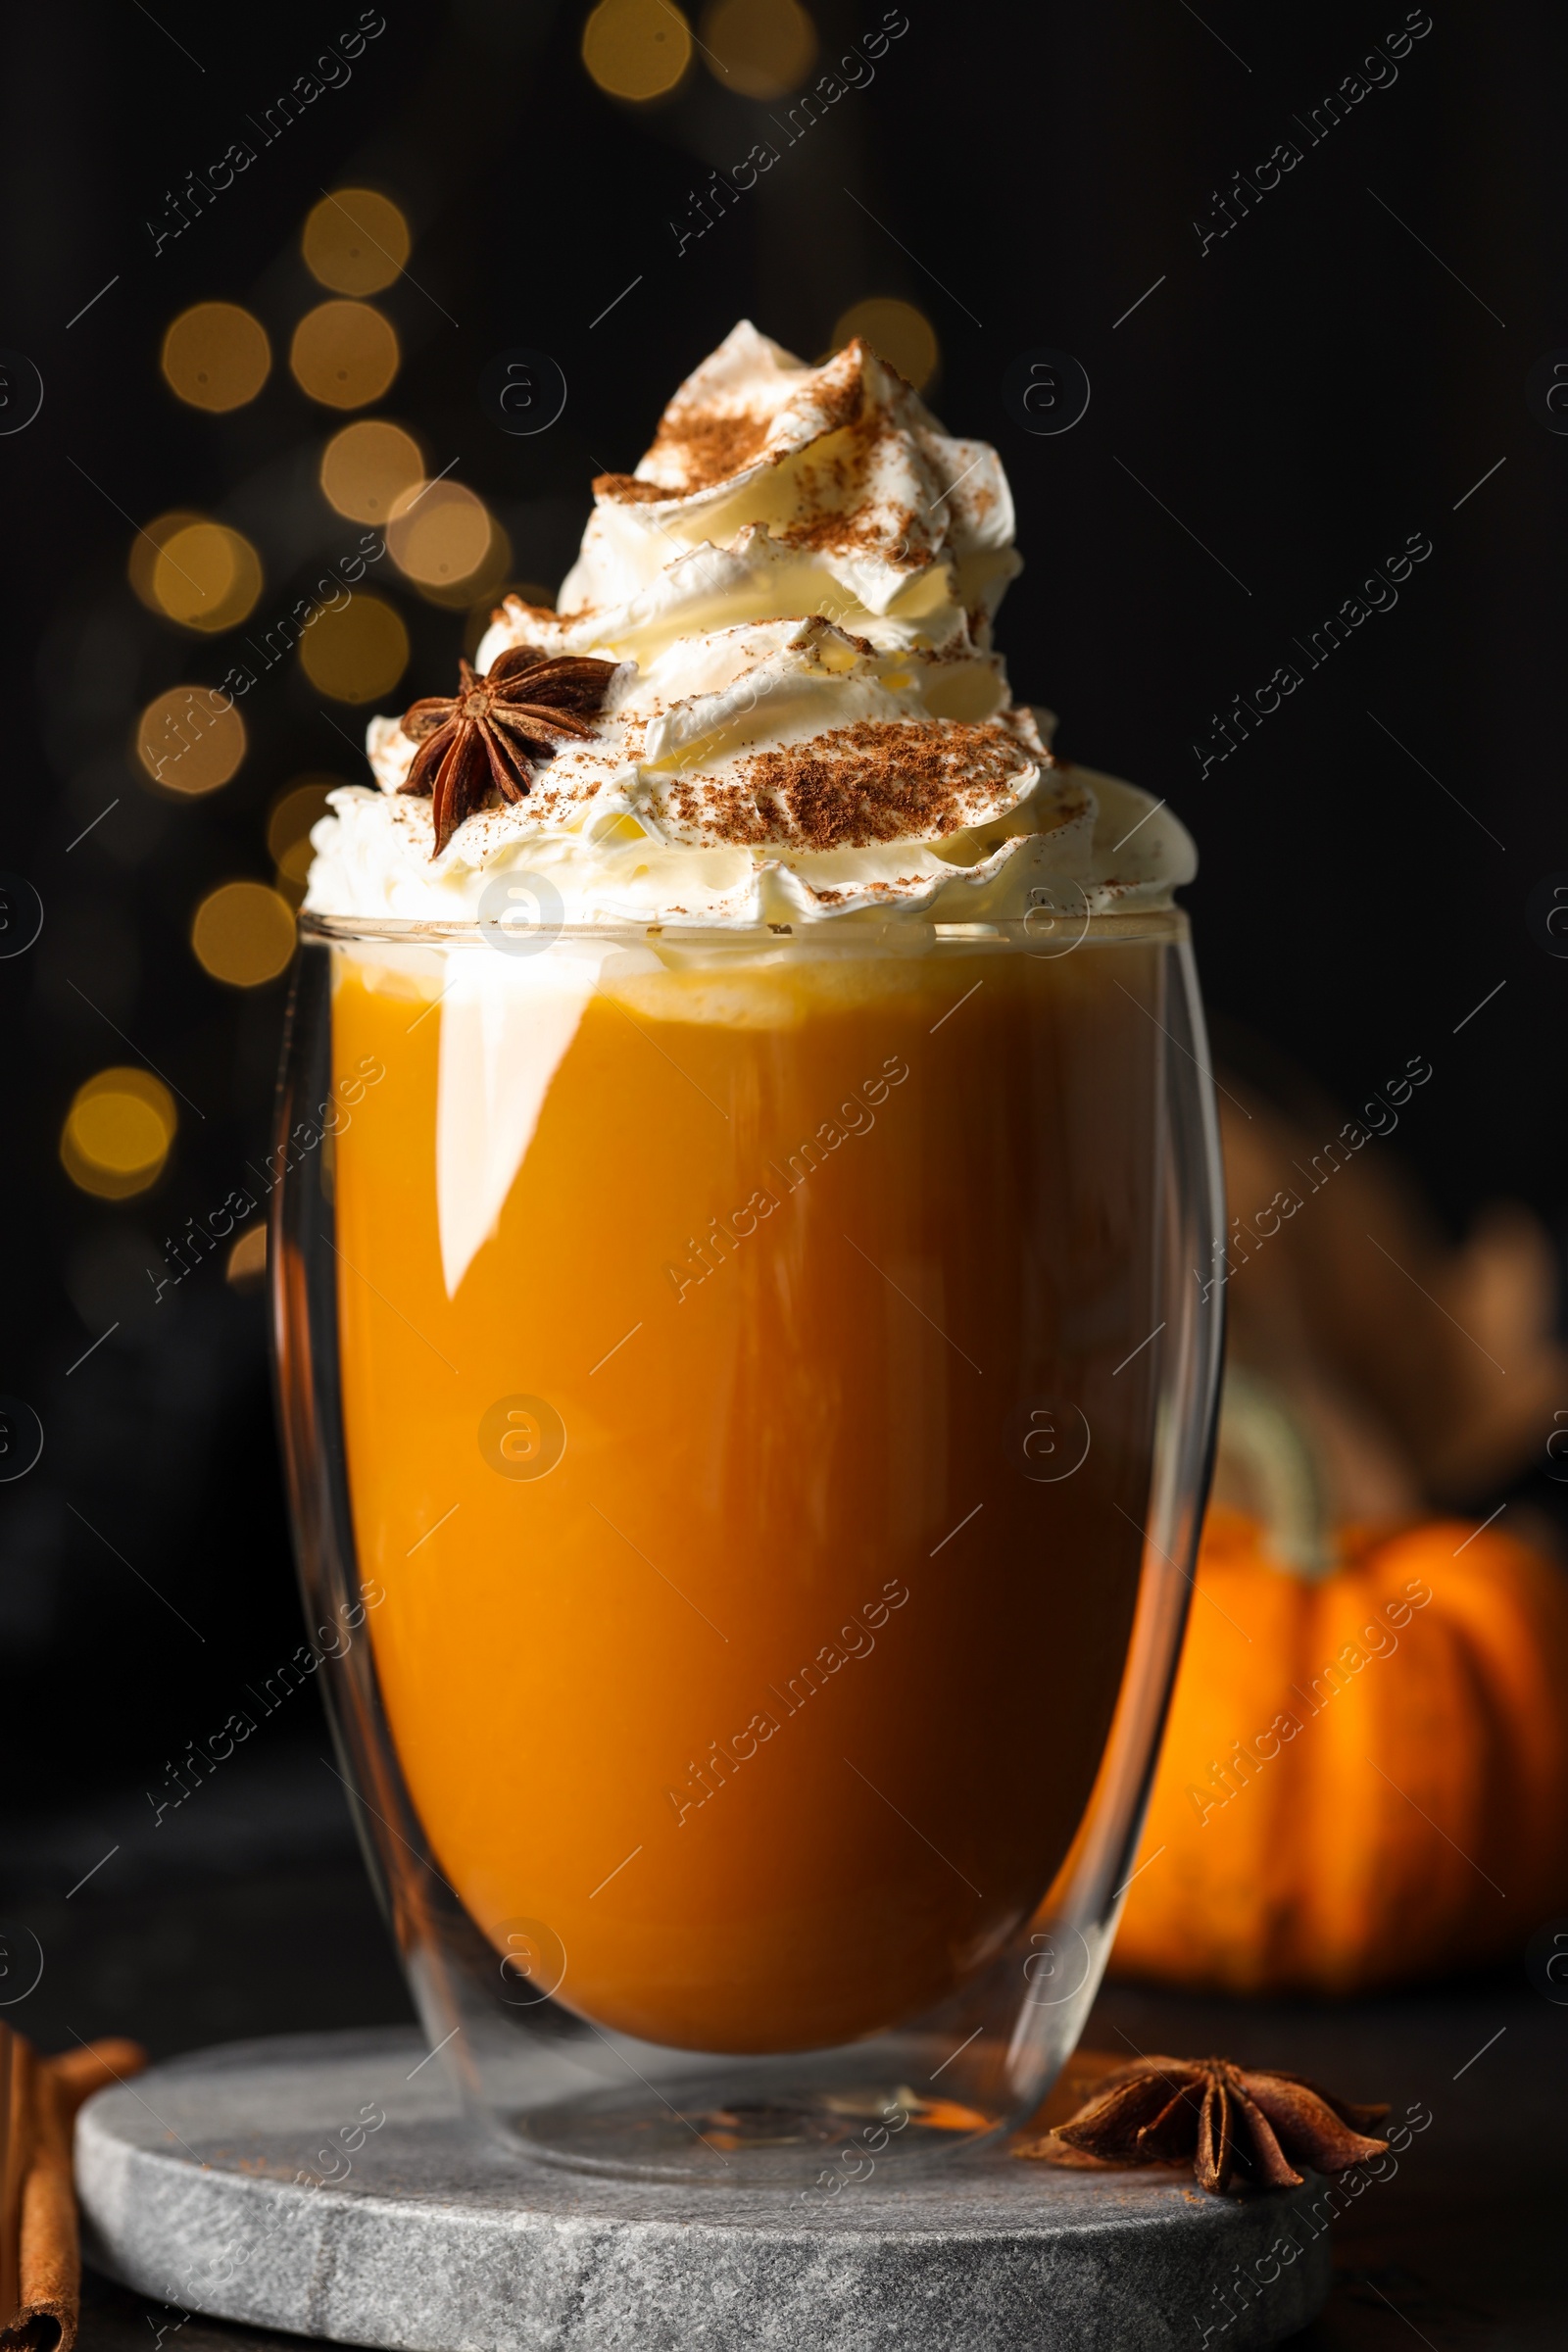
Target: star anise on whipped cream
x=1224, y=2119
x=492, y=731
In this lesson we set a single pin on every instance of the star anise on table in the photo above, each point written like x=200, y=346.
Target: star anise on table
x=1225, y=2120
x=492, y=731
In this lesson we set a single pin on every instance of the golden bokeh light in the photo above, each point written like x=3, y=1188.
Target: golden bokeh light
x=190, y=740
x=636, y=48
x=439, y=533
x=243, y=932
x=482, y=586
x=246, y=1265
x=344, y=354
x=758, y=48
x=356, y=650
x=355, y=241
x=367, y=467
x=297, y=808
x=217, y=356
x=897, y=332
x=206, y=576
x=148, y=545
x=118, y=1133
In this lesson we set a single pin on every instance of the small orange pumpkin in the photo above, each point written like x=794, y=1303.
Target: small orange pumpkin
x=1365, y=1773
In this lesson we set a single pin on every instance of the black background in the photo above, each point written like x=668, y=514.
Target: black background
x=1304, y=395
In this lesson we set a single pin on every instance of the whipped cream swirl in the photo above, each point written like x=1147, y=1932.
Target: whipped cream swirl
x=808, y=717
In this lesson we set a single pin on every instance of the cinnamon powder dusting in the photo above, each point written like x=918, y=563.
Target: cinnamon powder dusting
x=701, y=449
x=628, y=490
x=879, y=780
x=705, y=448
x=694, y=449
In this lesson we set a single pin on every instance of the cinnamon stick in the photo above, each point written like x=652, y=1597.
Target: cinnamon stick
x=78, y=2073
x=49, y=2262
x=14, y=2122
x=40, y=2255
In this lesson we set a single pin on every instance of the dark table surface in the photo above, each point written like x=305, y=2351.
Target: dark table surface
x=259, y=1920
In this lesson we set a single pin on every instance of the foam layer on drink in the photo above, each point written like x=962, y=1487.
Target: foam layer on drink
x=808, y=720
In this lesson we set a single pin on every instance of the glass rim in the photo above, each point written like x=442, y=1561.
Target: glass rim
x=1159, y=923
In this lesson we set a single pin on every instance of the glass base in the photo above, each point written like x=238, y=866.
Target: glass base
x=766, y=2126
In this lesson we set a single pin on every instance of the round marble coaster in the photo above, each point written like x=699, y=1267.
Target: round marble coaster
x=425, y=2240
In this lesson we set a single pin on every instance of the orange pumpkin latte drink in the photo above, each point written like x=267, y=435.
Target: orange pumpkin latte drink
x=746, y=1267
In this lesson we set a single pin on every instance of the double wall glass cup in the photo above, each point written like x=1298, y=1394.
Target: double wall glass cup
x=751, y=1391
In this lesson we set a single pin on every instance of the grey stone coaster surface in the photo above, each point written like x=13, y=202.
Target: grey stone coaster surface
x=432, y=2243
